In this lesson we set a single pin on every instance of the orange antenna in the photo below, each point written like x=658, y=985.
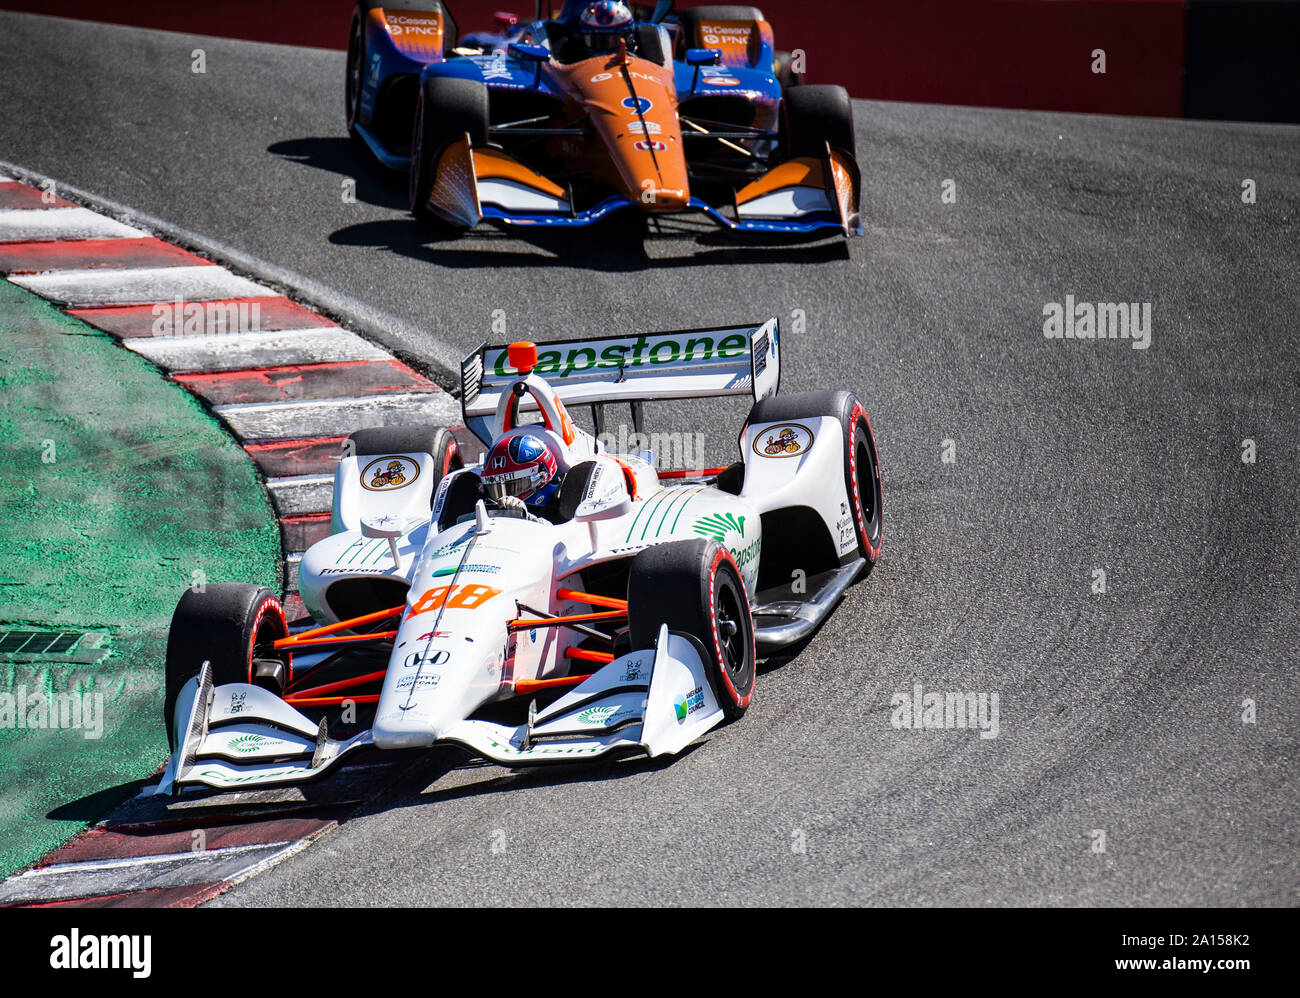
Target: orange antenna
x=522, y=355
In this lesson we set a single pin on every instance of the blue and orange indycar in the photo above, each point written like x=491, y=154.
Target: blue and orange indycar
x=598, y=109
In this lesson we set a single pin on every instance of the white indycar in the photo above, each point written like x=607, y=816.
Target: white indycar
x=625, y=617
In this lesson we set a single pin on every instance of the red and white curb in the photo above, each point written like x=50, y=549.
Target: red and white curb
x=180, y=853
x=290, y=384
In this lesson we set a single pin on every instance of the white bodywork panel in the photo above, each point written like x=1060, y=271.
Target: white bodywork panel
x=454, y=651
x=651, y=702
x=811, y=476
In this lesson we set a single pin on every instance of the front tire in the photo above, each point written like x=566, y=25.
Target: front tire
x=813, y=116
x=696, y=587
x=231, y=625
x=447, y=109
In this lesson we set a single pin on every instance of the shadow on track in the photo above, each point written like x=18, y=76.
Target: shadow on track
x=416, y=787
x=340, y=155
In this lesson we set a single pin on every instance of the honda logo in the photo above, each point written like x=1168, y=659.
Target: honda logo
x=439, y=657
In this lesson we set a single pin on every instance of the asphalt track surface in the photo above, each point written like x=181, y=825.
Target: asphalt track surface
x=1119, y=712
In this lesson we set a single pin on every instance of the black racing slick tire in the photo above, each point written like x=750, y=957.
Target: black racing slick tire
x=814, y=115
x=447, y=109
x=784, y=71
x=356, y=60
x=356, y=68
x=695, y=587
x=862, y=479
x=231, y=625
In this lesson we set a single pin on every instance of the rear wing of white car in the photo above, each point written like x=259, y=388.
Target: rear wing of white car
x=687, y=363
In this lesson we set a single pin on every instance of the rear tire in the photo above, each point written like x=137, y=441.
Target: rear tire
x=784, y=72
x=356, y=64
x=814, y=115
x=356, y=68
x=231, y=625
x=447, y=109
x=695, y=587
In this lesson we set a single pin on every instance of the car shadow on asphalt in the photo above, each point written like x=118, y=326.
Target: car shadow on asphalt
x=339, y=154
x=419, y=785
x=602, y=247
x=94, y=806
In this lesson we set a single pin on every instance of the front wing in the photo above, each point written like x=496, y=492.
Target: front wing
x=801, y=196
x=239, y=736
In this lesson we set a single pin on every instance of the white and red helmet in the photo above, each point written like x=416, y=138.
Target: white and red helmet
x=521, y=465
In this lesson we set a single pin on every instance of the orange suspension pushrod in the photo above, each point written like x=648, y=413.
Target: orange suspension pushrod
x=602, y=657
x=333, y=701
x=342, y=625
x=592, y=600
x=577, y=618
x=342, y=684
x=532, y=685
x=297, y=641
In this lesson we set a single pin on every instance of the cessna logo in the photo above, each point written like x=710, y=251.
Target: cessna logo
x=400, y=24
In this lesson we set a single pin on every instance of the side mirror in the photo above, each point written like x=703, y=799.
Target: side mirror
x=703, y=57
x=389, y=527
x=529, y=53
x=592, y=510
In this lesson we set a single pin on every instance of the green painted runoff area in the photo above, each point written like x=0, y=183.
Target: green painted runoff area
x=117, y=491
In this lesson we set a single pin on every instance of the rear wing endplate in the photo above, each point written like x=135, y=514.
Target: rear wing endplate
x=689, y=363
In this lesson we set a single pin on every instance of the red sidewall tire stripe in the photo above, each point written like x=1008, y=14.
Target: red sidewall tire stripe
x=720, y=555
x=273, y=604
x=869, y=552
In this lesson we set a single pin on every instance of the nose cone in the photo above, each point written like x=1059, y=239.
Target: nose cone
x=431, y=687
x=387, y=737
x=658, y=201
x=633, y=107
x=417, y=720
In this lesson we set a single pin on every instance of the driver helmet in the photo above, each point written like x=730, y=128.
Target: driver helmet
x=522, y=465
x=602, y=24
